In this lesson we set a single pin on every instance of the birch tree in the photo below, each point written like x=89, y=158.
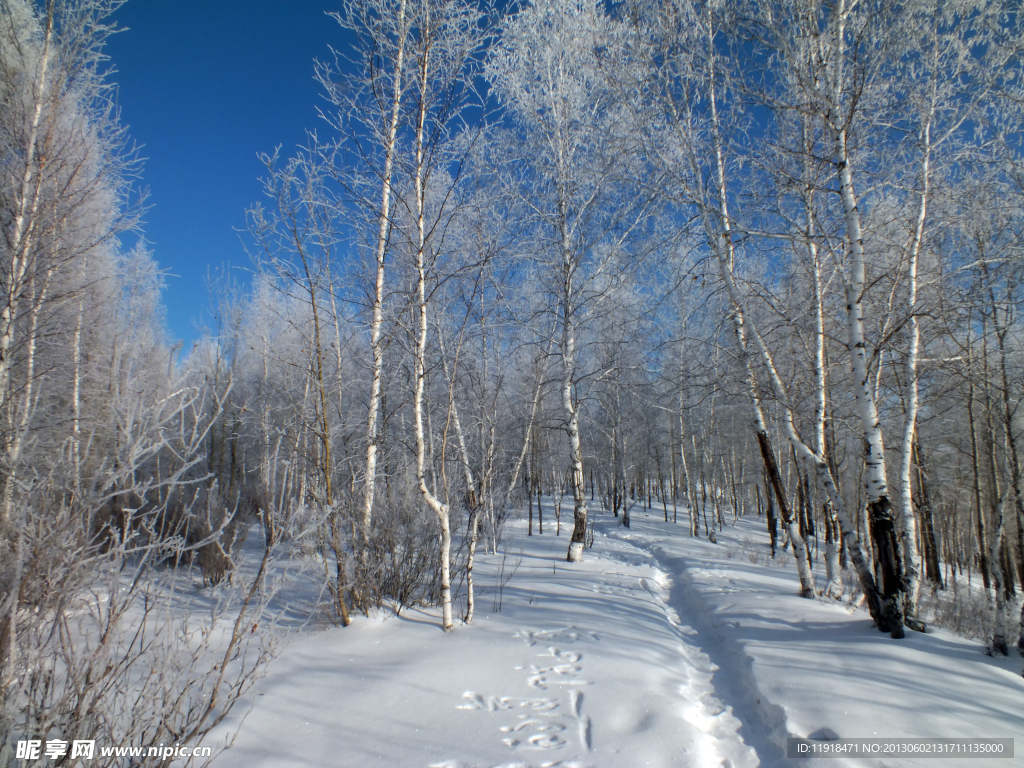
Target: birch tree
x=299, y=238
x=65, y=179
x=444, y=38
x=946, y=90
x=687, y=83
x=883, y=81
x=549, y=71
x=831, y=56
x=369, y=115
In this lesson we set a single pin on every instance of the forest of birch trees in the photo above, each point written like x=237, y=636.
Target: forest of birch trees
x=698, y=258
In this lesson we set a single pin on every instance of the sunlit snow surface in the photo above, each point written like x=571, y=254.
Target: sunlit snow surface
x=658, y=650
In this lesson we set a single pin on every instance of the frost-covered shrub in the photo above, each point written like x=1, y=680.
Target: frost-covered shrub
x=963, y=609
x=106, y=647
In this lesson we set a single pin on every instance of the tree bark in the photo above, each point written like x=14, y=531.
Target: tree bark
x=440, y=509
x=983, y=563
x=911, y=557
x=572, y=419
x=377, y=320
x=932, y=571
x=882, y=520
x=718, y=230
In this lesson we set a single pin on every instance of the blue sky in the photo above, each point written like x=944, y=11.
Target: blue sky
x=205, y=85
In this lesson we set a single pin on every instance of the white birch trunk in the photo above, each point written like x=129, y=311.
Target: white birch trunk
x=472, y=497
x=76, y=404
x=876, y=484
x=440, y=509
x=572, y=424
x=719, y=235
x=24, y=224
x=535, y=406
x=833, y=570
x=376, y=345
x=908, y=520
x=999, y=604
x=882, y=522
x=28, y=398
x=572, y=427
x=682, y=454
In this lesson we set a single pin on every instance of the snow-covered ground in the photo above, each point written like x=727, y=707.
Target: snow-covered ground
x=658, y=650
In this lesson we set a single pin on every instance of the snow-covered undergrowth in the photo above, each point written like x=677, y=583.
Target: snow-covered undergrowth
x=657, y=650
x=964, y=607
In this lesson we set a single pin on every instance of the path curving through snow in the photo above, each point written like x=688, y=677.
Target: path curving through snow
x=656, y=650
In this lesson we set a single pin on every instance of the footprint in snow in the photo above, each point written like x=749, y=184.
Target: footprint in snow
x=539, y=705
x=713, y=706
x=490, y=703
x=570, y=657
x=542, y=724
x=545, y=735
x=575, y=703
x=545, y=741
x=563, y=634
x=585, y=733
x=559, y=674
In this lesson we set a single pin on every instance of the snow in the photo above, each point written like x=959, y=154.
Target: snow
x=657, y=650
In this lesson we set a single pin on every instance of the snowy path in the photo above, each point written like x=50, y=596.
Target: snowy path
x=816, y=669
x=658, y=650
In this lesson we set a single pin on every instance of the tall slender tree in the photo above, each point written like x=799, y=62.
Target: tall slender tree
x=550, y=71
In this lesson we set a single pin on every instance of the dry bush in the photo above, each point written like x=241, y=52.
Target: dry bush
x=965, y=610
x=97, y=643
x=100, y=646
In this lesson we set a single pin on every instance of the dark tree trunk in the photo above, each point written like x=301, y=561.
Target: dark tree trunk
x=882, y=522
x=529, y=504
x=979, y=509
x=771, y=469
x=932, y=571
